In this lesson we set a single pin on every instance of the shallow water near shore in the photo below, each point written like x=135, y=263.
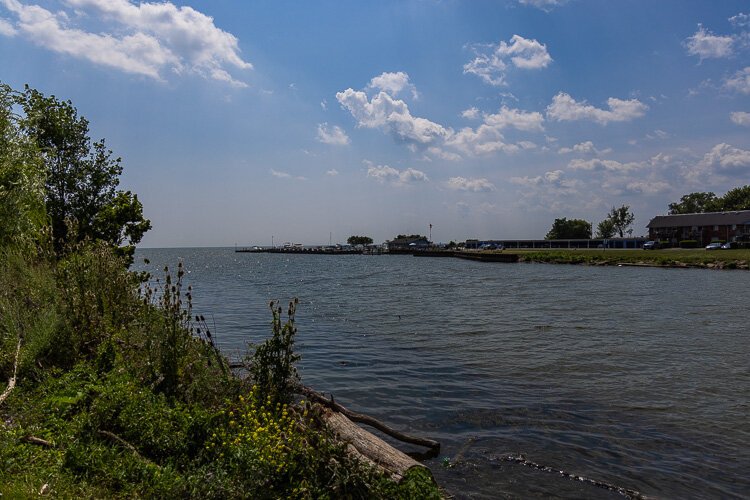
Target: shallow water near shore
x=636, y=377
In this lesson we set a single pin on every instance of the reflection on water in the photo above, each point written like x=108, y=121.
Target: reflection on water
x=634, y=376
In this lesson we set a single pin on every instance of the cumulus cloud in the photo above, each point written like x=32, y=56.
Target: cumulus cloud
x=286, y=175
x=545, y=5
x=726, y=159
x=740, y=81
x=586, y=147
x=147, y=39
x=475, y=185
x=334, y=136
x=471, y=113
x=565, y=108
x=740, y=20
x=597, y=164
x=6, y=28
x=393, y=83
x=392, y=115
x=491, y=61
x=385, y=173
x=706, y=45
x=741, y=118
x=648, y=187
x=332, y=173
x=555, y=179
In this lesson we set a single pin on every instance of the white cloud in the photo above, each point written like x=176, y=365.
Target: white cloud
x=657, y=135
x=518, y=119
x=586, y=147
x=6, y=28
x=332, y=173
x=285, y=175
x=726, y=159
x=740, y=81
x=471, y=113
x=334, y=136
x=741, y=118
x=740, y=20
x=385, y=173
x=393, y=83
x=597, y=164
x=706, y=45
x=491, y=63
x=391, y=115
x=145, y=39
x=545, y=5
x=324, y=105
x=475, y=185
x=648, y=187
x=554, y=179
x=565, y=108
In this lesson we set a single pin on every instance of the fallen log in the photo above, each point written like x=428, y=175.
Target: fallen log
x=369, y=448
x=361, y=418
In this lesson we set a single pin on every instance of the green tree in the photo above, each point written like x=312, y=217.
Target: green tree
x=564, y=229
x=736, y=199
x=359, y=240
x=82, y=177
x=22, y=211
x=605, y=229
x=618, y=219
x=695, y=203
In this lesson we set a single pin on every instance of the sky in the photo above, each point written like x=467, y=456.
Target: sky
x=243, y=122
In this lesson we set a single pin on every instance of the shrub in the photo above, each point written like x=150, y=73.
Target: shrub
x=688, y=244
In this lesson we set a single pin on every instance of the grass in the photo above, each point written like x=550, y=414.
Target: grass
x=722, y=259
x=121, y=394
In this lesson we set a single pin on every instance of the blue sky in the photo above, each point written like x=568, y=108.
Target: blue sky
x=308, y=120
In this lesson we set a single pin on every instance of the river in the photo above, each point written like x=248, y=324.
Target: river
x=635, y=377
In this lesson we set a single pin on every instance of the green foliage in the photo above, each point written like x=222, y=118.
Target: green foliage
x=564, y=229
x=359, y=240
x=694, y=203
x=411, y=236
x=81, y=193
x=605, y=229
x=689, y=244
x=734, y=199
x=272, y=365
x=617, y=222
x=22, y=209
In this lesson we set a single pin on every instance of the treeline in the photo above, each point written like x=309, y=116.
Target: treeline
x=701, y=202
x=110, y=385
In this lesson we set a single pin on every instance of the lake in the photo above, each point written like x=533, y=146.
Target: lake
x=636, y=377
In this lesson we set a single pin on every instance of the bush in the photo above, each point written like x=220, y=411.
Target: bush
x=688, y=244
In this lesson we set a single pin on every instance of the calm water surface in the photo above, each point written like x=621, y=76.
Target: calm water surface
x=638, y=377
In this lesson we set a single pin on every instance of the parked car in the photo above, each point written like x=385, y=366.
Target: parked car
x=713, y=246
x=651, y=245
x=728, y=245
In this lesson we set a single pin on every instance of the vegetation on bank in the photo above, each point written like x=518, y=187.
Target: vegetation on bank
x=111, y=387
x=717, y=259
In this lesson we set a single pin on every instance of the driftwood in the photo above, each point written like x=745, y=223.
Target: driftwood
x=313, y=395
x=37, y=441
x=365, y=445
x=369, y=448
x=12, y=381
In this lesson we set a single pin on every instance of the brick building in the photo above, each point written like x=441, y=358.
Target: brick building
x=704, y=228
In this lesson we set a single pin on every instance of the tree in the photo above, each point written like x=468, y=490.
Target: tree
x=359, y=240
x=736, y=199
x=22, y=211
x=573, y=229
x=605, y=229
x=695, y=203
x=618, y=220
x=81, y=193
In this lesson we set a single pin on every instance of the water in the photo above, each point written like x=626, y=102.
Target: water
x=637, y=377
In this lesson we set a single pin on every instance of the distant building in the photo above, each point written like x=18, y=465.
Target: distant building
x=703, y=228
x=408, y=243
